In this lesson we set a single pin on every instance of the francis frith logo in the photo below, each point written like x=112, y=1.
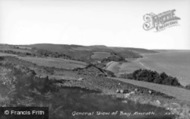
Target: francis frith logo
x=160, y=21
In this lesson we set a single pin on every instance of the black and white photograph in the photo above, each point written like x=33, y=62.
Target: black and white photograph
x=94, y=59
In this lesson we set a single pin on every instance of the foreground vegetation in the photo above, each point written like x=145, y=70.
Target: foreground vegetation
x=21, y=86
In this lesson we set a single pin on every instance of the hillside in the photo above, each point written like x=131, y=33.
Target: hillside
x=179, y=93
x=22, y=85
x=70, y=77
x=75, y=52
x=91, y=52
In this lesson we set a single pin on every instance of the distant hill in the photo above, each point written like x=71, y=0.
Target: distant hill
x=137, y=50
x=86, y=52
x=75, y=52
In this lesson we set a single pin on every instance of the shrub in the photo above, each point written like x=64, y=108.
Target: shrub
x=152, y=76
x=187, y=86
x=1, y=58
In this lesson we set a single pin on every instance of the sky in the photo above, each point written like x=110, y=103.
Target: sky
x=92, y=22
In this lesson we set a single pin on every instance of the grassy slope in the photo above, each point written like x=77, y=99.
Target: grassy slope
x=100, y=55
x=77, y=52
x=125, y=67
x=85, y=51
x=55, y=62
x=13, y=48
x=61, y=101
x=179, y=93
x=141, y=51
x=6, y=54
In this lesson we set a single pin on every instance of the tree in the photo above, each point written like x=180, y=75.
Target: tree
x=187, y=86
x=163, y=75
x=152, y=76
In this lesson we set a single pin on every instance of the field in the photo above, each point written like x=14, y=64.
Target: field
x=88, y=51
x=179, y=93
x=55, y=62
x=13, y=48
x=6, y=54
x=100, y=55
x=123, y=67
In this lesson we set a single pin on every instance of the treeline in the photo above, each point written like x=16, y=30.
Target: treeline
x=14, y=52
x=38, y=53
x=46, y=53
x=152, y=76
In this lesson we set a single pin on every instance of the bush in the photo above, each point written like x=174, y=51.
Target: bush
x=1, y=58
x=187, y=86
x=152, y=76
